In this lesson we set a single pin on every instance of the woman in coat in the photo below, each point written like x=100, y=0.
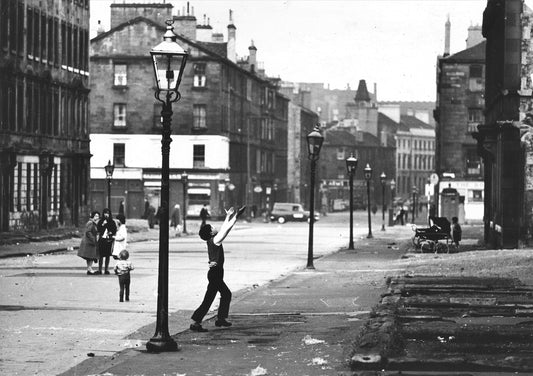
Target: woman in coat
x=107, y=230
x=89, y=241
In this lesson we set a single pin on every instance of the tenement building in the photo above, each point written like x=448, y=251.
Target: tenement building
x=225, y=128
x=44, y=139
x=458, y=112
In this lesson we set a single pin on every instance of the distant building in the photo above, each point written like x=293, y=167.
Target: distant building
x=44, y=136
x=458, y=113
x=228, y=129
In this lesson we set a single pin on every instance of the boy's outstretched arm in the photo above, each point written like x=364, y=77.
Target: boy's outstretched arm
x=226, y=227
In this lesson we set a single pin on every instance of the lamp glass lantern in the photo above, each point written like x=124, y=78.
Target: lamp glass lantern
x=383, y=178
x=351, y=165
x=392, y=184
x=109, y=169
x=169, y=59
x=314, y=143
x=368, y=172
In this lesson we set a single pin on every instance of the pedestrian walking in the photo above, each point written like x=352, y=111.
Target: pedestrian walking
x=88, y=246
x=150, y=216
x=122, y=269
x=107, y=230
x=457, y=232
x=215, y=275
x=121, y=237
x=175, y=220
x=204, y=215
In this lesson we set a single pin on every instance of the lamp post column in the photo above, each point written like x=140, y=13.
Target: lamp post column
x=185, y=182
x=162, y=341
x=383, y=179
x=368, y=176
x=351, y=166
x=311, y=215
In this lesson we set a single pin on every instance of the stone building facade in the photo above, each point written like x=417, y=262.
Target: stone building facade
x=44, y=135
x=458, y=112
x=226, y=128
x=504, y=139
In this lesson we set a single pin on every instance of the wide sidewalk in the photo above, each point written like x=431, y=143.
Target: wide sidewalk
x=301, y=324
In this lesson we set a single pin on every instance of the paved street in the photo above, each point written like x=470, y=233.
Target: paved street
x=53, y=314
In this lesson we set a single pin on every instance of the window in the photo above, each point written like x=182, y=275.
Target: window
x=475, y=115
x=119, y=155
x=121, y=75
x=199, y=114
x=119, y=119
x=341, y=154
x=198, y=157
x=158, y=120
x=475, y=195
x=199, y=75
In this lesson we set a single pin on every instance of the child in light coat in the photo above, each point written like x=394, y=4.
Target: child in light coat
x=122, y=269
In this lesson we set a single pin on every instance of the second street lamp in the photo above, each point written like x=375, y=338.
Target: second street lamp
x=368, y=177
x=351, y=167
x=314, y=144
x=185, y=183
x=383, y=179
x=169, y=60
x=109, y=169
x=392, y=194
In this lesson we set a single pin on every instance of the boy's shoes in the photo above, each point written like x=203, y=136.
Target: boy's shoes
x=106, y=272
x=121, y=300
x=90, y=272
x=98, y=272
x=240, y=211
x=222, y=322
x=197, y=328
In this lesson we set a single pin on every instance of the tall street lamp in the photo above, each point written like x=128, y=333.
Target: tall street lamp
x=368, y=176
x=392, y=194
x=351, y=167
x=169, y=60
x=415, y=190
x=185, y=184
x=109, y=176
x=314, y=144
x=383, y=179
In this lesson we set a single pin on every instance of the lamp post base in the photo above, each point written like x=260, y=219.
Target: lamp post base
x=159, y=344
x=383, y=227
x=369, y=236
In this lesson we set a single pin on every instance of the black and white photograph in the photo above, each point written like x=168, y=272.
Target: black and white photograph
x=266, y=187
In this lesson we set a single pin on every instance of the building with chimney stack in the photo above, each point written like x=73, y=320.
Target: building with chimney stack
x=225, y=128
x=458, y=112
x=44, y=135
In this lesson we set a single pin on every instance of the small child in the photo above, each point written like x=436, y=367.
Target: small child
x=122, y=269
x=456, y=231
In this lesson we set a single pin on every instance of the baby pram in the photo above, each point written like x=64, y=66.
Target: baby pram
x=440, y=229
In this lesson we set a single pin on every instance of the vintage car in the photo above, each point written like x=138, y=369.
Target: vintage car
x=287, y=211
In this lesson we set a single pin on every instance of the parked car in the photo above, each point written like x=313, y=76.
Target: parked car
x=288, y=211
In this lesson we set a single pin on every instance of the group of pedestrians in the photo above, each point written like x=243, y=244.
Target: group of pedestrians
x=106, y=237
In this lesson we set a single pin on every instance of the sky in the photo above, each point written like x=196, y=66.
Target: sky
x=391, y=43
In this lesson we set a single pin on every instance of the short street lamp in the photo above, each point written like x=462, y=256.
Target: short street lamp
x=109, y=169
x=169, y=60
x=351, y=167
x=368, y=176
x=383, y=179
x=392, y=194
x=314, y=144
x=185, y=183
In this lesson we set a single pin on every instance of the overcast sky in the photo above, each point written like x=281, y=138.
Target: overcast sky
x=393, y=43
